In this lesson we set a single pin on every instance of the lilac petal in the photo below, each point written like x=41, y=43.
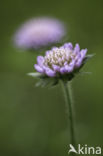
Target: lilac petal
x=68, y=45
x=54, y=48
x=59, y=60
x=69, y=68
x=63, y=70
x=38, y=68
x=72, y=63
x=83, y=52
x=56, y=68
x=77, y=48
x=77, y=57
x=40, y=60
x=45, y=68
x=50, y=72
x=78, y=63
x=47, y=52
x=65, y=63
x=63, y=58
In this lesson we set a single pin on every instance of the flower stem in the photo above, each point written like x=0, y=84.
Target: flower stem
x=69, y=108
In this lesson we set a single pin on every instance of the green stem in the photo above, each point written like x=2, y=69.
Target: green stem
x=69, y=105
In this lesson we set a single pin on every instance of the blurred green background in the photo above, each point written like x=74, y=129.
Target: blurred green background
x=33, y=120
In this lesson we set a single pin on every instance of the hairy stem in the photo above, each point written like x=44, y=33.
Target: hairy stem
x=69, y=108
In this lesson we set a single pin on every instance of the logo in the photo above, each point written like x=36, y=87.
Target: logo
x=85, y=150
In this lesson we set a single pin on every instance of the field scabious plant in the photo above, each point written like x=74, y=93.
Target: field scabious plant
x=62, y=64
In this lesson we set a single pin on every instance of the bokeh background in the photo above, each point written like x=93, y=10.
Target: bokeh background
x=33, y=120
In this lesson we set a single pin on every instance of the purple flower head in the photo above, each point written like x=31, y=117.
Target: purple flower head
x=61, y=61
x=39, y=32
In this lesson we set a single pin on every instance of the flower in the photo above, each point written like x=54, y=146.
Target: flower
x=39, y=32
x=61, y=61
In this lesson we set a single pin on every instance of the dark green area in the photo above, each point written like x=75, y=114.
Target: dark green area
x=33, y=120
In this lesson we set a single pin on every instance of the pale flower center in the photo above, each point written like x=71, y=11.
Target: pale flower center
x=59, y=57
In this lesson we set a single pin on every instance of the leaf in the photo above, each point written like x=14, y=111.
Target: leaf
x=82, y=73
x=45, y=82
x=55, y=82
x=39, y=83
x=88, y=57
x=50, y=82
x=36, y=74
